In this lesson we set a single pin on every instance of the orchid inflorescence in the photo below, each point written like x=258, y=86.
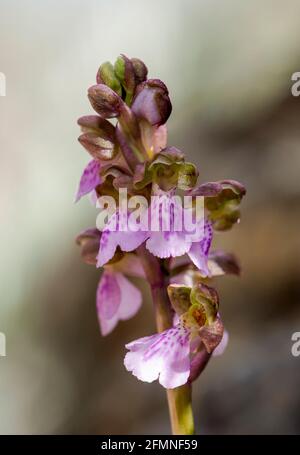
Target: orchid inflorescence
x=131, y=153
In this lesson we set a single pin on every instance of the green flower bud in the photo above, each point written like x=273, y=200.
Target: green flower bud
x=124, y=71
x=107, y=76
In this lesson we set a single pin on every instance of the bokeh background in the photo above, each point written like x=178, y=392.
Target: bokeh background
x=228, y=66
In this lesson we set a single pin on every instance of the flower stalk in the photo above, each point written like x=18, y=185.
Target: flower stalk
x=180, y=398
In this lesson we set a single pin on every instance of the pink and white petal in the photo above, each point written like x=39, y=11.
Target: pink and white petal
x=131, y=298
x=108, y=301
x=164, y=356
x=108, y=325
x=117, y=300
x=198, y=252
x=148, y=369
x=167, y=237
x=200, y=261
x=89, y=180
x=219, y=350
x=108, y=246
x=168, y=244
x=112, y=237
x=130, y=240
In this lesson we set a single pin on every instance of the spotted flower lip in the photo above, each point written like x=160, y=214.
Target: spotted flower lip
x=170, y=356
x=167, y=356
x=164, y=356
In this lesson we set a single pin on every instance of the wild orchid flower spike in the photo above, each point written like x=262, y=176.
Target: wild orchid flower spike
x=156, y=237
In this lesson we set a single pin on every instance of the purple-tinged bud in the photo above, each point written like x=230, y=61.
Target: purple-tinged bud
x=95, y=124
x=152, y=102
x=98, y=137
x=89, y=241
x=98, y=147
x=105, y=101
x=106, y=75
x=140, y=70
x=124, y=71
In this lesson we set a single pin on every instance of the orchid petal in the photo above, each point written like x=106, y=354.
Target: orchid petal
x=117, y=299
x=164, y=356
x=89, y=180
x=168, y=239
x=199, y=250
x=128, y=240
x=168, y=244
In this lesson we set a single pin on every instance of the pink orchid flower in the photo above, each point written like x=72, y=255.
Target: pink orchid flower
x=169, y=356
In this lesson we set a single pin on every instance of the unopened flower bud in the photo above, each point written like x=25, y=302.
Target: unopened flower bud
x=152, y=102
x=89, y=241
x=106, y=75
x=105, y=101
x=100, y=148
x=140, y=70
x=95, y=124
x=124, y=71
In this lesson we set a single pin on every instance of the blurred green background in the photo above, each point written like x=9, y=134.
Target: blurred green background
x=228, y=66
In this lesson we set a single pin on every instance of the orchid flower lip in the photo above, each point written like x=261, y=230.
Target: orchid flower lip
x=167, y=356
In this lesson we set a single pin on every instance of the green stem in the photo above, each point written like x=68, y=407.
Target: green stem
x=180, y=398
